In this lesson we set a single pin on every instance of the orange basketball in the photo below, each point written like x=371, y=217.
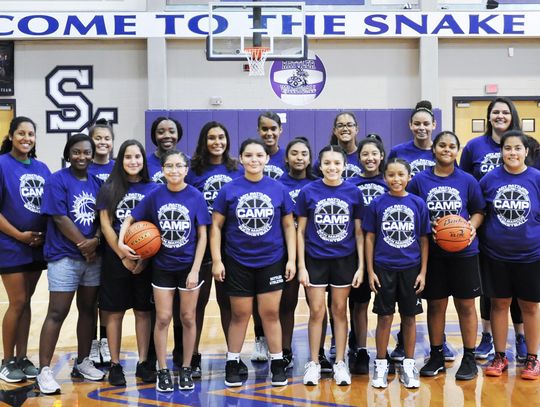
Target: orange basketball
x=143, y=237
x=453, y=233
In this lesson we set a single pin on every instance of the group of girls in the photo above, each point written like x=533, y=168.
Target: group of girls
x=264, y=238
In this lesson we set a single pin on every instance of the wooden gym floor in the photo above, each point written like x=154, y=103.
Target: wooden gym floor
x=508, y=390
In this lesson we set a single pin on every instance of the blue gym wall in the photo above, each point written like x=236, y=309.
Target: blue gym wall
x=316, y=125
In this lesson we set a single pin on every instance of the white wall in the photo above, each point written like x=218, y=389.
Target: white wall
x=119, y=81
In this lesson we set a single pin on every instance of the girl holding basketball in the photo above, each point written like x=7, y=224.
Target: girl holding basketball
x=447, y=190
x=125, y=283
x=371, y=182
x=396, y=224
x=254, y=212
x=74, y=262
x=211, y=168
x=22, y=232
x=329, y=238
x=298, y=162
x=512, y=268
x=179, y=211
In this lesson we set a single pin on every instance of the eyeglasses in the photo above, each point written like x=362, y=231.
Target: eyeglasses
x=343, y=125
x=170, y=167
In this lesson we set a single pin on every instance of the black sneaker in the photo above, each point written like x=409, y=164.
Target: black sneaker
x=361, y=363
x=434, y=365
x=277, y=367
x=185, y=380
x=232, y=374
x=196, y=372
x=116, y=375
x=467, y=370
x=391, y=364
x=164, y=381
x=326, y=366
x=146, y=372
x=242, y=369
x=288, y=358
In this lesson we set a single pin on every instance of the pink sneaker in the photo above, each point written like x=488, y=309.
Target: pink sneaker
x=532, y=369
x=498, y=365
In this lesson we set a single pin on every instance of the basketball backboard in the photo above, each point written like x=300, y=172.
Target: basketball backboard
x=237, y=26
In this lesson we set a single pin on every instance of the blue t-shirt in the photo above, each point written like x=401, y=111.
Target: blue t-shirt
x=330, y=212
x=253, y=212
x=154, y=169
x=66, y=195
x=102, y=171
x=135, y=194
x=371, y=187
x=294, y=185
x=211, y=181
x=511, y=229
x=398, y=223
x=276, y=165
x=352, y=169
x=418, y=158
x=480, y=156
x=21, y=190
x=457, y=194
x=177, y=215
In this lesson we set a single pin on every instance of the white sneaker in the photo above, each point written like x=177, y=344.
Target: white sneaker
x=342, y=376
x=380, y=374
x=46, y=382
x=409, y=374
x=94, y=352
x=312, y=373
x=104, y=350
x=87, y=370
x=260, y=352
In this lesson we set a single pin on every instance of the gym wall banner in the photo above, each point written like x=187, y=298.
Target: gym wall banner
x=7, y=87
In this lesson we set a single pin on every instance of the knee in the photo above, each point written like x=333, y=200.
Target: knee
x=500, y=304
x=187, y=318
x=57, y=315
x=19, y=304
x=271, y=314
x=163, y=319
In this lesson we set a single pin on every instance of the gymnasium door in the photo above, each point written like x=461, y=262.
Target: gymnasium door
x=7, y=112
x=470, y=117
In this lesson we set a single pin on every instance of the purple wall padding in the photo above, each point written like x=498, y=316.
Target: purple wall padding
x=316, y=125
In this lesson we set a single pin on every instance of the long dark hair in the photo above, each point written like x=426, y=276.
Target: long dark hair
x=305, y=142
x=378, y=144
x=201, y=159
x=514, y=125
x=333, y=138
x=7, y=144
x=117, y=184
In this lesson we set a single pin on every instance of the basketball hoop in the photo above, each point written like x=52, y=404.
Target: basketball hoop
x=256, y=57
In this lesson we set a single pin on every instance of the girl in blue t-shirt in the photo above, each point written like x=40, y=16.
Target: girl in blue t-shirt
x=298, y=161
x=329, y=238
x=371, y=182
x=22, y=232
x=509, y=241
x=71, y=249
x=179, y=211
x=211, y=168
x=125, y=283
x=165, y=133
x=396, y=224
x=269, y=128
x=254, y=212
x=103, y=136
x=417, y=152
x=447, y=190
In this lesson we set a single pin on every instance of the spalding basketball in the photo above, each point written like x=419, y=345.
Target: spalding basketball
x=143, y=237
x=453, y=233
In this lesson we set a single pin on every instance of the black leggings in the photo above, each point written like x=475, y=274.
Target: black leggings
x=485, y=309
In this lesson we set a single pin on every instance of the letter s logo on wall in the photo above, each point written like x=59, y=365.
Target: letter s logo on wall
x=75, y=111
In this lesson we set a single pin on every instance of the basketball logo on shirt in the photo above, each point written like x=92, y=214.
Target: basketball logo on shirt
x=331, y=219
x=442, y=201
x=489, y=162
x=126, y=205
x=294, y=194
x=351, y=170
x=398, y=226
x=420, y=165
x=273, y=171
x=512, y=205
x=103, y=176
x=158, y=178
x=31, y=190
x=255, y=213
x=84, y=208
x=370, y=191
x=211, y=188
x=175, y=225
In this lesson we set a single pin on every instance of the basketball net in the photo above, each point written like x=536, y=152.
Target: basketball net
x=256, y=57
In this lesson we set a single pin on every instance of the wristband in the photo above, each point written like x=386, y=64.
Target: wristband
x=98, y=239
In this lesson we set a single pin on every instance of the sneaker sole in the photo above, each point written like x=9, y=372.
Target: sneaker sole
x=283, y=383
x=530, y=377
x=186, y=387
x=8, y=380
x=165, y=390
x=466, y=377
x=311, y=383
x=232, y=384
x=379, y=386
x=493, y=373
x=483, y=356
x=196, y=375
x=432, y=374
x=46, y=391
x=398, y=359
x=78, y=375
x=343, y=383
x=118, y=384
x=449, y=358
